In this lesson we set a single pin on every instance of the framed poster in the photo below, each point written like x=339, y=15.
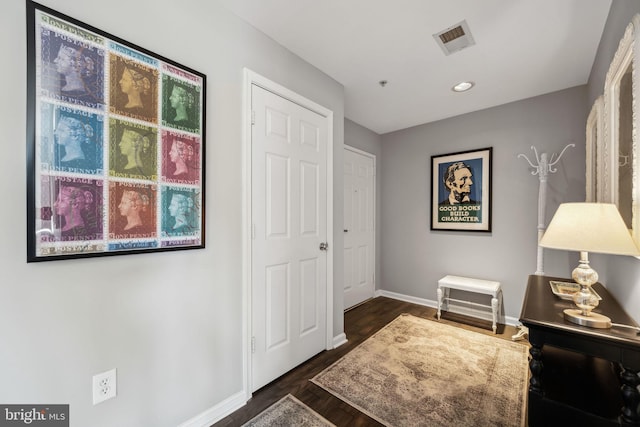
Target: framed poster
x=115, y=144
x=461, y=191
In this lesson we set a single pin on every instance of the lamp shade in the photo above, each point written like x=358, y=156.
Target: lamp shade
x=589, y=227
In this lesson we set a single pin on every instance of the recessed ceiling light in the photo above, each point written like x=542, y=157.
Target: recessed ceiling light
x=463, y=86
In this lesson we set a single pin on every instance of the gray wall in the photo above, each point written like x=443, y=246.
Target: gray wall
x=364, y=139
x=620, y=274
x=414, y=257
x=360, y=137
x=169, y=322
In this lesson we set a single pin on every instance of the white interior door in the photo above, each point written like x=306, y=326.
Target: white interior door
x=289, y=215
x=359, y=227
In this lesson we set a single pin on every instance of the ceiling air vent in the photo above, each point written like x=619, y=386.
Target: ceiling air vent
x=454, y=38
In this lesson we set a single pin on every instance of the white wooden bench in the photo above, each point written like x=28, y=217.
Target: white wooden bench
x=467, y=284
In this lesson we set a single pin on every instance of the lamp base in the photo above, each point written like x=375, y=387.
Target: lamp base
x=593, y=320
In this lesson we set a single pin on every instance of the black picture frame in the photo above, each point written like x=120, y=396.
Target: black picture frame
x=115, y=144
x=461, y=190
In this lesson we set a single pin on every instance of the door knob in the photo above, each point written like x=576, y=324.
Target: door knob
x=324, y=246
x=346, y=231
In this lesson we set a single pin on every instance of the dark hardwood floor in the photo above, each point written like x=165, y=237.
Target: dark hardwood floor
x=359, y=323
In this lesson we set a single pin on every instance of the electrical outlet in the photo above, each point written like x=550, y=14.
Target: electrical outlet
x=104, y=386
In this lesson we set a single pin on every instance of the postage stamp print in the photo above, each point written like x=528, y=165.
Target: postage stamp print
x=71, y=209
x=116, y=138
x=180, y=158
x=132, y=210
x=71, y=140
x=72, y=70
x=132, y=150
x=180, y=104
x=133, y=89
x=180, y=211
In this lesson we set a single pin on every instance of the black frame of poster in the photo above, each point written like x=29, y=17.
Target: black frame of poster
x=115, y=144
x=461, y=196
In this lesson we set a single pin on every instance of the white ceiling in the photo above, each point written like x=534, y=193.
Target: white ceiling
x=523, y=48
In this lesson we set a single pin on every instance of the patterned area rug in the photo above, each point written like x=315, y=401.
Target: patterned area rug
x=418, y=372
x=288, y=412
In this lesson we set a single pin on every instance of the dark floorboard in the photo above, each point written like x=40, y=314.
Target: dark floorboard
x=360, y=323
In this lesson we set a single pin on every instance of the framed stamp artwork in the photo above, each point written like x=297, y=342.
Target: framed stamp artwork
x=115, y=144
x=461, y=191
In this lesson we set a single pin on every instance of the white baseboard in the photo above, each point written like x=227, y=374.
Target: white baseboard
x=339, y=340
x=218, y=412
x=512, y=321
x=407, y=298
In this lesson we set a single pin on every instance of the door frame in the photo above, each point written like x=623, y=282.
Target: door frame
x=251, y=78
x=375, y=197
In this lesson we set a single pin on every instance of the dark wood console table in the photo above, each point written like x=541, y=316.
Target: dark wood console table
x=579, y=375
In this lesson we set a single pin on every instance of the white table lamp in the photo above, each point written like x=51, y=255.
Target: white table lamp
x=588, y=227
